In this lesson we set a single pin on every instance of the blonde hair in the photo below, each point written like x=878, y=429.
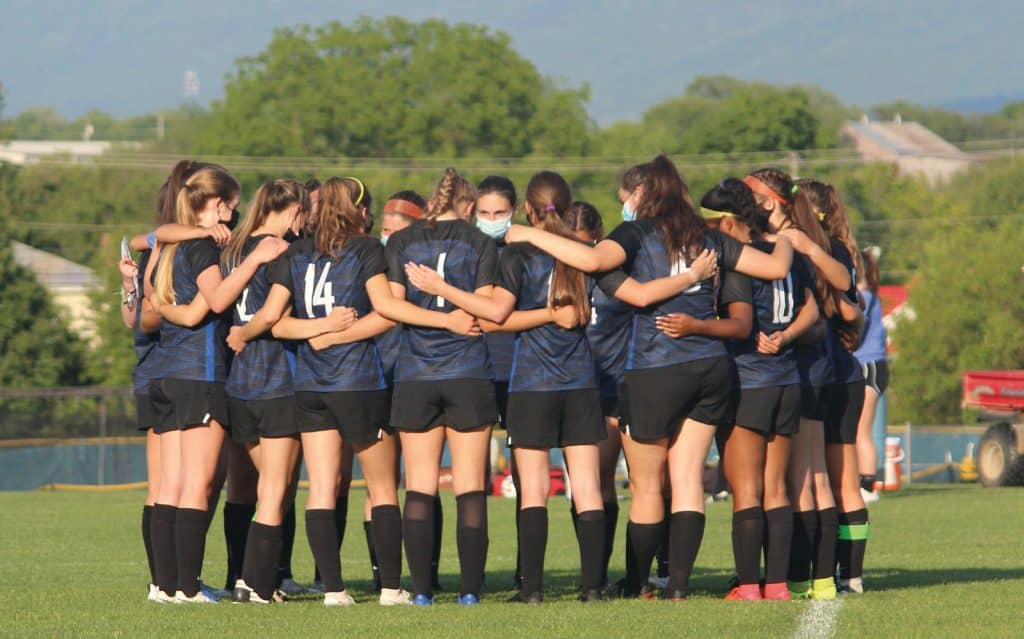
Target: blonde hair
x=271, y=197
x=451, y=191
x=339, y=217
x=205, y=184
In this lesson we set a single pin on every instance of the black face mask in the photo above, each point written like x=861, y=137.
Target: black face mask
x=291, y=236
x=233, y=221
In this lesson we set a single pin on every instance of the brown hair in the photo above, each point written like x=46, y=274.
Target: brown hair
x=549, y=198
x=451, y=190
x=271, y=197
x=583, y=216
x=870, y=271
x=826, y=201
x=664, y=204
x=339, y=217
x=799, y=212
x=167, y=196
x=208, y=182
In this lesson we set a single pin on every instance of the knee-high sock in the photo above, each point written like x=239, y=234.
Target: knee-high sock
x=435, y=558
x=747, y=537
x=190, y=543
x=386, y=529
x=641, y=545
x=802, y=548
x=147, y=540
x=853, y=541
x=533, y=542
x=237, y=518
x=590, y=533
x=284, y=562
x=322, y=533
x=471, y=537
x=666, y=540
x=262, y=550
x=687, y=531
x=341, y=518
x=611, y=521
x=165, y=556
x=418, y=534
x=825, y=542
x=779, y=535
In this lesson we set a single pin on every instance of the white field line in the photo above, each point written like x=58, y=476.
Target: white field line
x=818, y=620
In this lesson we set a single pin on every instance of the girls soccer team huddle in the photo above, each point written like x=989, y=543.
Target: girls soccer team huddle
x=298, y=337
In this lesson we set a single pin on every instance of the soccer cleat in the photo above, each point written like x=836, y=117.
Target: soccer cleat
x=162, y=597
x=532, y=598
x=775, y=592
x=316, y=587
x=292, y=588
x=671, y=595
x=338, y=599
x=153, y=593
x=244, y=594
x=468, y=599
x=800, y=589
x=823, y=589
x=854, y=586
x=591, y=595
x=658, y=582
x=745, y=592
x=279, y=596
x=423, y=600
x=395, y=597
x=201, y=597
x=215, y=593
x=869, y=496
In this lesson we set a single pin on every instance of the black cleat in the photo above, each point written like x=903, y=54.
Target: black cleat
x=531, y=599
x=592, y=594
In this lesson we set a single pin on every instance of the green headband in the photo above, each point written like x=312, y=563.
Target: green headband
x=712, y=214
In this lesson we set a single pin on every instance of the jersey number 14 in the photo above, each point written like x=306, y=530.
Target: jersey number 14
x=318, y=292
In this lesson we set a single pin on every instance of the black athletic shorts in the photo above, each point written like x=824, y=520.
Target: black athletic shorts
x=609, y=396
x=501, y=396
x=812, y=402
x=146, y=413
x=360, y=416
x=553, y=419
x=876, y=375
x=771, y=410
x=255, y=418
x=842, y=412
x=462, y=404
x=186, y=403
x=659, y=399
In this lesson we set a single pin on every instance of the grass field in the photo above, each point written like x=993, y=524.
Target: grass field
x=944, y=561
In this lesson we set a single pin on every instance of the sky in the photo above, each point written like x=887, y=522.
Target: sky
x=128, y=57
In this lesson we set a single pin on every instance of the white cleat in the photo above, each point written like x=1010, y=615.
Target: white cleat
x=338, y=599
x=153, y=593
x=244, y=594
x=395, y=597
x=200, y=597
x=161, y=597
x=869, y=497
x=292, y=588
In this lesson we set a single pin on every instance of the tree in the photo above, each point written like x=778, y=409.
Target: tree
x=391, y=87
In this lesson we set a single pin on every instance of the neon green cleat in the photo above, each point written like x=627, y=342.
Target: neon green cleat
x=824, y=589
x=800, y=589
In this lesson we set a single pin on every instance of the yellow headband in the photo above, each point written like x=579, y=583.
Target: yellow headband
x=362, y=189
x=712, y=214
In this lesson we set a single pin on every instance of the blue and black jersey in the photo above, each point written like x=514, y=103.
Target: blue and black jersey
x=547, y=357
x=467, y=259
x=261, y=370
x=198, y=353
x=501, y=345
x=776, y=304
x=318, y=283
x=608, y=333
x=647, y=260
x=147, y=364
x=845, y=367
x=814, y=361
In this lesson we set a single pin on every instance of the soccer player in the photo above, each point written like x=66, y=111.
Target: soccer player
x=872, y=357
x=678, y=390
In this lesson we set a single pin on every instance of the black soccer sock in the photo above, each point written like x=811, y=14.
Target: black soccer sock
x=779, y=533
x=341, y=518
x=435, y=560
x=471, y=537
x=747, y=535
x=641, y=545
x=322, y=533
x=519, y=506
x=590, y=533
x=284, y=562
x=190, y=543
x=853, y=541
x=165, y=557
x=368, y=531
x=533, y=543
x=825, y=543
x=663, y=547
x=611, y=521
x=575, y=518
x=147, y=540
x=686, y=530
x=386, y=530
x=867, y=482
x=418, y=534
x=801, y=549
x=237, y=518
x=262, y=549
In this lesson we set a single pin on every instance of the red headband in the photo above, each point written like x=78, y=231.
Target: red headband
x=404, y=207
x=757, y=186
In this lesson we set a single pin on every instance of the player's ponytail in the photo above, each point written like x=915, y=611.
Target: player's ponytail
x=271, y=197
x=832, y=215
x=452, y=190
x=339, y=214
x=549, y=198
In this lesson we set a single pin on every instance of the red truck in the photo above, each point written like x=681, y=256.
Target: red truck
x=999, y=395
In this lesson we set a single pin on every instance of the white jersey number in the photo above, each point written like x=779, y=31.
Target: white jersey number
x=241, y=304
x=678, y=268
x=319, y=292
x=782, y=300
x=440, y=271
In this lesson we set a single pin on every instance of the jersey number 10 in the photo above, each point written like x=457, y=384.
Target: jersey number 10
x=318, y=292
x=782, y=300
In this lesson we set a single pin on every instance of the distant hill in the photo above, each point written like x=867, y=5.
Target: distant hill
x=128, y=58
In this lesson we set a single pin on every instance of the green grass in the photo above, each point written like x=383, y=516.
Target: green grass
x=941, y=562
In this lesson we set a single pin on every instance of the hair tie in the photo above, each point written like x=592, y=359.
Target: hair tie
x=796, y=187
x=821, y=216
x=550, y=207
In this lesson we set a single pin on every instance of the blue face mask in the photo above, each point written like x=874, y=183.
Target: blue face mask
x=384, y=239
x=494, y=228
x=628, y=214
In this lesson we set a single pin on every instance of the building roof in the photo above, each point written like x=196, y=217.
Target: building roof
x=53, y=271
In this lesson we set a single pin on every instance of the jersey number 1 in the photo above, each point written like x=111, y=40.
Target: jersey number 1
x=318, y=292
x=440, y=271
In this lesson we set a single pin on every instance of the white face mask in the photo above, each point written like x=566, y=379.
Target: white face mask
x=494, y=228
x=384, y=239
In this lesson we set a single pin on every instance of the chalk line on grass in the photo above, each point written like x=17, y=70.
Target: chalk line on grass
x=818, y=620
